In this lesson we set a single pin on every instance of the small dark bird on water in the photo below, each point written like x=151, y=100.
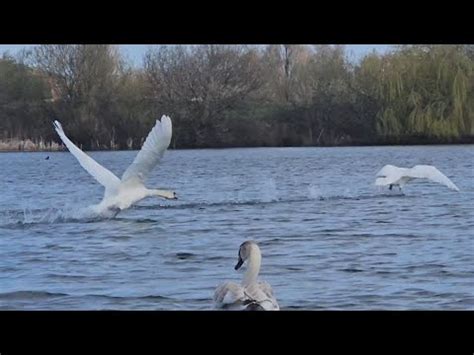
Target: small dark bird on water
x=47, y=158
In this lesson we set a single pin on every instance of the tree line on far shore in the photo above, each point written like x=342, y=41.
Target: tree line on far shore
x=239, y=96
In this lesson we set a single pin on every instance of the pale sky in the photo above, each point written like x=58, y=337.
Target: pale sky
x=135, y=51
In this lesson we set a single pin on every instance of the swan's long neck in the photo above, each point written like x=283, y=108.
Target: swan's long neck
x=253, y=267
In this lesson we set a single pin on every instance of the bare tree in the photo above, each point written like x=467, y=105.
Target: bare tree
x=85, y=79
x=201, y=83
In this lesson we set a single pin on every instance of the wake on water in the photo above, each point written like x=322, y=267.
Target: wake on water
x=269, y=195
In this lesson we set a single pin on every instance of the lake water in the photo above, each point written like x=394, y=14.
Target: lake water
x=329, y=238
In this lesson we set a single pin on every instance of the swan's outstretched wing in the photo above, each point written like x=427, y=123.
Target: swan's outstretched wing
x=101, y=174
x=388, y=170
x=152, y=151
x=431, y=173
x=388, y=175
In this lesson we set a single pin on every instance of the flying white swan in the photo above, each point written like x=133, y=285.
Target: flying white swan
x=250, y=294
x=391, y=175
x=120, y=194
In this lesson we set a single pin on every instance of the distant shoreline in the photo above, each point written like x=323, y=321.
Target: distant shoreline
x=29, y=146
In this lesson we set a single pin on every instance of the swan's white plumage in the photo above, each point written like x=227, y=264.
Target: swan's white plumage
x=232, y=295
x=122, y=193
x=393, y=175
x=101, y=174
x=229, y=293
x=152, y=151
x=250, y=294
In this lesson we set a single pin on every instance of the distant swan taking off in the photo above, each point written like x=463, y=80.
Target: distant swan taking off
x=250, y=294
x=391, y=175
x=120, y=194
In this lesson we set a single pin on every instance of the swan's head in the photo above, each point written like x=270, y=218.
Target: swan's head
x=170, y=195
x=246, y=249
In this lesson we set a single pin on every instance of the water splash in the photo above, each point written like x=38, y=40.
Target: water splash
x=28, y=216
x=269, y=191
x=267, y=194
x=315, y=192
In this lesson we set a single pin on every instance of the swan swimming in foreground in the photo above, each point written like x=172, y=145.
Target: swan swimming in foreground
x=120, y=194
x=391, y=175
x=250, y=294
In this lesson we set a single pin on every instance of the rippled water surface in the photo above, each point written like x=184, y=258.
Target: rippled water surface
x=330, y=239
